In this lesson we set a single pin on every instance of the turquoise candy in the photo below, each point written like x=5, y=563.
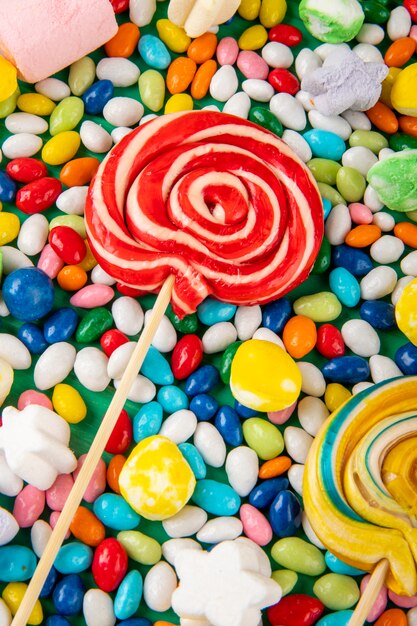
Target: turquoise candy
x=216, y=498
x=147, y=421
x=73, y=558
x=340, y=618
x=338, y=567
x=114, y=512
x=17, y=563
x=128, y=595
x=154, y=52
x=172, y=399
x=211, y=311
x=156, y=368
x=394, y=179
x=327, y=207
x=345, y=286
x=194, y=460
x=324, y=144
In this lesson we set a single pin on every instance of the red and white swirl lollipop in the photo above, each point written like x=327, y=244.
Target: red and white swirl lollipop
x=219, y=202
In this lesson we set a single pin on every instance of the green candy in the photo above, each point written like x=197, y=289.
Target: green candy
x=332, y=22
x=337, y=591
x=286, y=579
x=139, y=547
x=152, y=90
x=263, y=437
x=375, y=12
x=66, y=115
x=76, y=222
x=395, y=180
x=226, y=362
x=324, y=170
x=330, y=194
x=351, y=184
x=369, y=139
x=322, y=262
x=299, y=556
x=8, y=106
x=81, y=75
x=187, y=325
x=402, y=141
x=266, y=119
x=93, y=325
x=319, y=307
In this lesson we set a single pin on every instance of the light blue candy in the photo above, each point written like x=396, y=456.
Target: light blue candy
x=338, y=567
x=128, y=595
x=154, y=52
x=216, y=498
x=340, y=618
x=73, y=558
x=327, y=207
x=114, y=512
x=211, y=311
x=324, y=144
x=147, y=421
x=194, y=459
x=156, y=368
x=172, y=399
x=17, y=563
x=345, y=286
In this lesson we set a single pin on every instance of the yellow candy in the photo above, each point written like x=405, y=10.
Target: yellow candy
x=253, y=38
x=6, y=380
x=406, y=312
x=9, y=227
x=61, y=148
x=264, y=377
x=404, y=91
x=8, y=79
x=35, y=103
x=399, y=475
x=9, y=105
x=68, y=403
x=272, y=12
x=13, y=595
x=156, y=480
x=173, y=36
x=89, y=260
x=179, y=102
x=249, y=9
x=387, y=84
x=336, y=395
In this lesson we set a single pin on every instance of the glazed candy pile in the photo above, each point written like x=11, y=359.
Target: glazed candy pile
x=225, y=471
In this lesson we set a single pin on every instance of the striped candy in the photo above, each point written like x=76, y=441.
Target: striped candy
x=220, y=202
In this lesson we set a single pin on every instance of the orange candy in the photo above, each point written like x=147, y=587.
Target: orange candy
x=363, y=235
x=274, y=467
x=113, y=472
x=87, y=527
x=124, y=42
x=407, y=233
x=299, y=336
x=162, y=623
x=79, y=171
x=180, y=74
x=392, y=617
x=201, y=81
x=399, y=52
x=383, y=118
x=203, y=48
x=408, y=125
x=72, y=278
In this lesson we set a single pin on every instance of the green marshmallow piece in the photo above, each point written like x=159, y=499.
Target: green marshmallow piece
x=395, y=180
x=334, y=21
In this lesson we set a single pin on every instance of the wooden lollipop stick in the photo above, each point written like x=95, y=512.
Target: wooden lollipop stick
x=370, y=594
x=93, y=456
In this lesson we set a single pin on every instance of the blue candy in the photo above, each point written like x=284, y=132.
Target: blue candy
x=263, y=494
x=194, y=459
x=216, y=498
x=57, y=620
x=32, y=336
x=28, y=293
x=8, y=188
x=61, y=325
x=68, y=595
x=345, y=286
x=17, y=563
x=378, y=313
x=128, y=595
x=147, y=421
x=228, y=424
x=156, y=368
x=324, y=144
x=276, y=314
x=245, y=411
x=97, y=96
x=154, y=52
x=211, y=311
x=327, y=207
x=172, y=399
x=338, y=567
x=355, y=261
x=49, y=583
x=114, y=512
x=340, y=618
x=204, y=406
x=285, y=514
x=204, y=379
x=346, y=369
x=406, y=358
x=73, y=558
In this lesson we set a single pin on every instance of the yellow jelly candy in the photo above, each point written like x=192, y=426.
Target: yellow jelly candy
x=404, y=91
x=179, y=102
x=264, y=377
x=9, y=227
x=8, y=79
x=253, y=38
x=68, y=403
x=156, y=480
x=35, y=103
x=13, y=595
x=406, y=312
x=335, y=395
x=272, y=12
x=89, y=261
x=174, y=37
x=249, y=9
x=61, y=148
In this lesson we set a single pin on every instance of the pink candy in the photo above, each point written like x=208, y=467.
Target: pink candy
x=57, y=495
x=360, y=213
x=30, y=396
x=252, y=65
x=227, y=51
x=255, y=525
x=403, y=602
x=50, y=262
x=92, y=296
x=280, y=417
x=380, y=603
x=28, y=506
x=97, y=484
x=53, y=520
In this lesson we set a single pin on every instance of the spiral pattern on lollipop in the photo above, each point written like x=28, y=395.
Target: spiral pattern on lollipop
x=360, y=481
x=221, y=203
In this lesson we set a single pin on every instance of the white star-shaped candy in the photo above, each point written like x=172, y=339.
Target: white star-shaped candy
x=34, y=447
x=227, y=586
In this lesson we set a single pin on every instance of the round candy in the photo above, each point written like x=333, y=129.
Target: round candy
x=394, y=180
x=334, y=22
x=28, y=293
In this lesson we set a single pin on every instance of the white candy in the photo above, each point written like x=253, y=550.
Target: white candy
x=127, y=315
x=33, y=234
x=310, y=532
x=8, y=527
x=4, y=311
x=165, y=337
x=412, y=617
x=297, y=443
x=94, y=137
x=313, y=383
x=218, y=337
x=185, y=523
x=399, y=23
x=360, y=337
x=147, y=118
x=368, y=53
x=119, y=359
x=14, y=259
x=399, y=288
x=72, y=200
x=306, y=62
x=338, y=224
x=179, y=426
x=142, y=390
x=297, y=143
x=383, y=368
x=159, y=585
x=172, y=547
x=122, y=111
x=384, y=153
x=121, y=72
x=312, y=413
x=371, y=199
x=21, y=145
x=409, y=264
x=14, y=352
x=325, y=49
x=25, y=123
x=277, y=54
x=10, y=483
x=357, y=120
x=371, y=33
x=360, y=158
x=220, y=529
x=100, y=277
x=332, y=123
x=39, y=536
x=385, y=221
x=242, y=467
x=306, y=100
x=6, y=379
x=54, y=365
x=247, y=321
x=259, y=90
x=210, y=444
x=224, y=83
x=266, y=334
x=239, y=105
x=288, y=110
x=118, y=133
x=98, y=608
x=378, y=283
x=53, y=88
x=141, y=12
x=361, y=387
x=5, y=615
x=90, y=368
x=387, y=249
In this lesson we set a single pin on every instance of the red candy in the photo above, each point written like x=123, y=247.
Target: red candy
x=286, y=34
x=295, y=610
x=109, y=564
x=187, y=356
x=411, y=6
x=26, y=169
x=38, y=195
x=130, y=291
x=111, y=340
x=283, y=81
x=121, y=436
x=67, y=244
x=330, y=341
x=119, y=6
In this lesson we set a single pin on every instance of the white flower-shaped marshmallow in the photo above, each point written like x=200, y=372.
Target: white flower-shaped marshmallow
x=197, y=16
